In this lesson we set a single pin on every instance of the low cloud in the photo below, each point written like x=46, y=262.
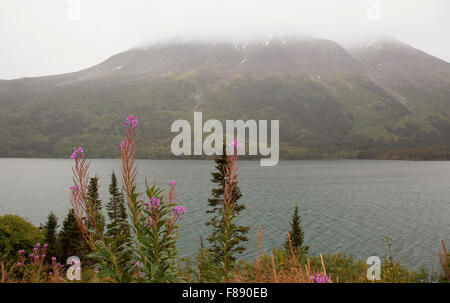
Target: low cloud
x=52, y=36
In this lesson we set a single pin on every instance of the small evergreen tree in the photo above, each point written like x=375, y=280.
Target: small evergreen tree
x=50, y=236
x=117, y=227
x=70, y=240
x=296, y=235
x=94, y=201
x=215, y=204
x=93, y=196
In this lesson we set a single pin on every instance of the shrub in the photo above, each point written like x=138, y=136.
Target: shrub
x=15, y=234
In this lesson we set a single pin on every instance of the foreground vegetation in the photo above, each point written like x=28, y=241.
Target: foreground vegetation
x=280, y=266
x=138, y=241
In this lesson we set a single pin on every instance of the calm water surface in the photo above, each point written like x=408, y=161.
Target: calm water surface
x=345, y=205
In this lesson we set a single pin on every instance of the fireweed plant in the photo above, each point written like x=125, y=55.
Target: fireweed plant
x=444, y=258
x=229, y=210
x=154, y=218
x=33, y=267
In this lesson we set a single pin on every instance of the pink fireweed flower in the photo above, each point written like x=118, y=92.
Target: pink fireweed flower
x=73, y=188
x=131, y=121
x=53, y=259
x=320, y=278
x=96, y=269
x=45, y=245
x=236, y=143
x=137, y=264
x=38, y=245
x=124, y=145
x=155, y=202
x=172, y=183
x=179, y=211
x=77, y=153
x=19, y=263
x=21, y=252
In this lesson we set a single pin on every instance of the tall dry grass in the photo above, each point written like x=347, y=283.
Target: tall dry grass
x=444, y=258
x=267, y=270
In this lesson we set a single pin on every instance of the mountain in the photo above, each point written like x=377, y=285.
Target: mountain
x=383, y=99
x=419, y=81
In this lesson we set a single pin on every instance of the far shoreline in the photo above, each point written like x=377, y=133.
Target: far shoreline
x=241, y=159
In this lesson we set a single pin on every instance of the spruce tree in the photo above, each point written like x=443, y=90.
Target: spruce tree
x=215, y=208
x=118, y=227
x=50, y=237
x=296, y=235
x=70, y=240
x=93, y=196
x=95, y=203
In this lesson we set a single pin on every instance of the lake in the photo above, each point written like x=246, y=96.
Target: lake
x=346, y=205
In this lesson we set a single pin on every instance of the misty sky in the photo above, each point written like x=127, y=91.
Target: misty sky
x=56, y=36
